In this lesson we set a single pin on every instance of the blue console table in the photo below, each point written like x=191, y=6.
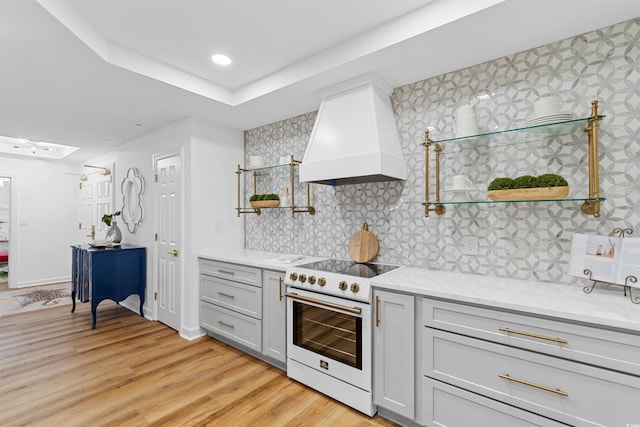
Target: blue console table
x=107, y=273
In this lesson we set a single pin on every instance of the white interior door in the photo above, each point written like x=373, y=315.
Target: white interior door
x=169, y=239
x=96, y=199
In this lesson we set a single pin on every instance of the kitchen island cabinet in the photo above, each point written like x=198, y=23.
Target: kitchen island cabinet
x=394, y=352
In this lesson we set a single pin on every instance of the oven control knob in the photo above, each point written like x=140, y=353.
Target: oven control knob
x=322, y=281
x=355, y=287
x=343, y=285
x=302, y=278
x=312, y=280
x=293, y=277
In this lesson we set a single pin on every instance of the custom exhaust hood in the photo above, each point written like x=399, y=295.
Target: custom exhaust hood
x=355, y=138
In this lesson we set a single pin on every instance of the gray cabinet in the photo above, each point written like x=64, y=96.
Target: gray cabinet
x=231, y=302
x=274, y=331
x=394, y=352
x=245, y=305
x=574, y=374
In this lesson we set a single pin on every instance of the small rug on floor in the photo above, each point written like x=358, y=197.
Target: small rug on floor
x=34, y=298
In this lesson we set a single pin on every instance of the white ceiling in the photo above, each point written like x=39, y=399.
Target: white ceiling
x=80, y=72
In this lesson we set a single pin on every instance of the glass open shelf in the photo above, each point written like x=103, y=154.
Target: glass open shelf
x=270, y=168
x=491, y=202
x=277, y=171
x=522, y=134
x=545, y=135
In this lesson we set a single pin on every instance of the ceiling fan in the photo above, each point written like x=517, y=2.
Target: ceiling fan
x=34, y=146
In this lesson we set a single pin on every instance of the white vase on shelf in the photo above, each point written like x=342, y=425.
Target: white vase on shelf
x=113, y=233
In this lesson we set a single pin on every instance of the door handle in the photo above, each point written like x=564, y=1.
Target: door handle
x=93, y=232
x=377, y=311
x=174, y=252
x=354, y=310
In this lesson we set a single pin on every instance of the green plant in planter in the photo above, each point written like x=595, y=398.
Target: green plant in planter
x=525, y=181
x=107, y=218
x=528, y=181
x=551, y=180
x=258, y=197
x=501, y=184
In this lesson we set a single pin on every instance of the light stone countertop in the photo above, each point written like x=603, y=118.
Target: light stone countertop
x=261, y=259
x=604, y=307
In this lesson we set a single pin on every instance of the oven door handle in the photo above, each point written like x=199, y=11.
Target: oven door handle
x=354, y=310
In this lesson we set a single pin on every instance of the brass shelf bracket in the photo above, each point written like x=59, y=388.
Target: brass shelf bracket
x=439, y=209
x=592, y=207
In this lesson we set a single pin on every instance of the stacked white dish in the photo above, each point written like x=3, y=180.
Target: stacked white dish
x=551, y=118
x=547, y=110
x=255, y=162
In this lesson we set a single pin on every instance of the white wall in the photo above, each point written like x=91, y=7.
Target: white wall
x=211, y=221
x=210, y=153
x=138, y=153
x=46, y=222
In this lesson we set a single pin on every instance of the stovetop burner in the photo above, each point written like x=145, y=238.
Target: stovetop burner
x=350, y=268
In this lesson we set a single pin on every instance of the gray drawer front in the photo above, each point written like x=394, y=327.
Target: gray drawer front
x=608, y=349
x=244, y=330
x=236, y=272
x=238, y=297
x=594, y=396
x=449, y=406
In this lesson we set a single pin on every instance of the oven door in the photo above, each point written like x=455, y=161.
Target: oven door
x=331, y=335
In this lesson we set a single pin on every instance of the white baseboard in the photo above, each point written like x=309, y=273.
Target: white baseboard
x=40, y=282
x=191, y=334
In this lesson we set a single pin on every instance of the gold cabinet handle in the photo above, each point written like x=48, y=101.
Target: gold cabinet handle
x=528, y=334
x=174, y=252
x=280, y=284
x=354, y=310
x=377, y=311
x=228, y=325
x=231, y=273
x=222, y=294
x=541, y=387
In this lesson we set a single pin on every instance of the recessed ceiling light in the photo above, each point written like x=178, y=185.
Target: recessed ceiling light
x=221, y=59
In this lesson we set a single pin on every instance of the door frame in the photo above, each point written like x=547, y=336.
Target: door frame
x=155, y=158
x=13, y=225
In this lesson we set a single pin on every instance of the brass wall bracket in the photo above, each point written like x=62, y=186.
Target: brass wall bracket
x=439, y=209
x=592, y=207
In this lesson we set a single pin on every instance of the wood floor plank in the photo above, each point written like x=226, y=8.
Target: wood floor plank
x=129, y=371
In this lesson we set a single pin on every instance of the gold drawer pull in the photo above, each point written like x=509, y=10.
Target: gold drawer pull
x=222, y=294
x=227, y=272
x=228, y=325
x=527, y=334
x=541, y=387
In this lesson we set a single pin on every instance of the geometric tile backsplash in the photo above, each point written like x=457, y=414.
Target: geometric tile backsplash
x=524, y=240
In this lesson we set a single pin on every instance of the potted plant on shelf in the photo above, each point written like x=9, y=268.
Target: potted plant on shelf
x=269, y=200
x=548, y=186
x=113, y=233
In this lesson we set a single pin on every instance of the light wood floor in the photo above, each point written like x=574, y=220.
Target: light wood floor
x=56, y=371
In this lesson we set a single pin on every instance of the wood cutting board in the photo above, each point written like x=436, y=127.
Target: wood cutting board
x=363, y=245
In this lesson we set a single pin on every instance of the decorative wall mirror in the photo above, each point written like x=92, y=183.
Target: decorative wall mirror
x=132, y=189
